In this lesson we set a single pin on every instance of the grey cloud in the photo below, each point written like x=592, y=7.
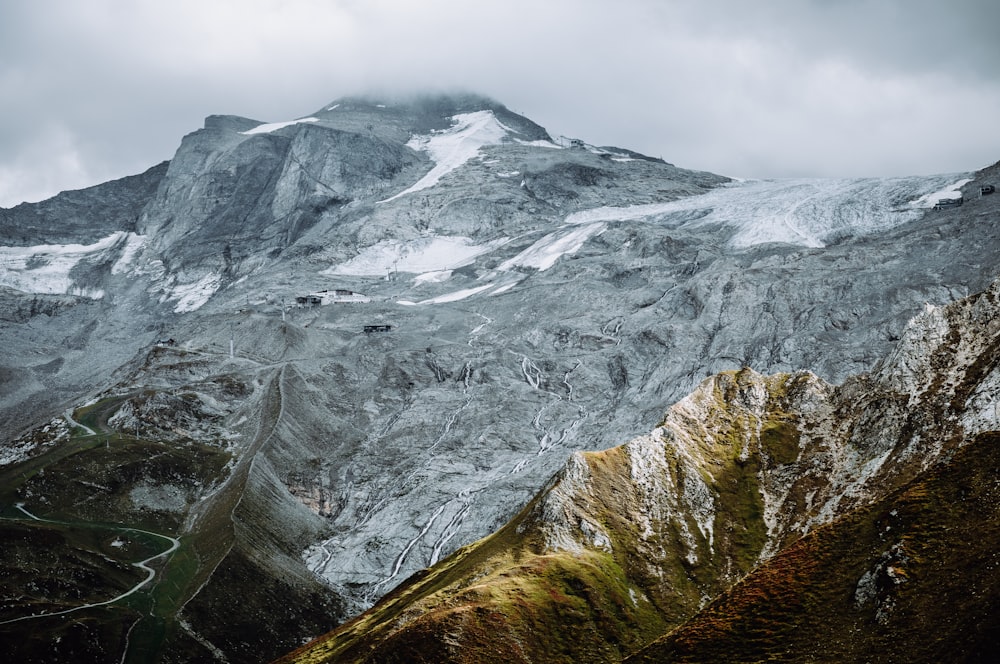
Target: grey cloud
x=102, y=89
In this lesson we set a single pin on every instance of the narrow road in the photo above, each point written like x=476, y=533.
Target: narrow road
x=73, y=423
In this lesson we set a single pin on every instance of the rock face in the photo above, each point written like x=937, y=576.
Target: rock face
x=910, y=578
x=367, y=337
x=864, y=491
x=81, y=217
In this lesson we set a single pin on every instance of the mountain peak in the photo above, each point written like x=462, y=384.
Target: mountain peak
x=427, y=112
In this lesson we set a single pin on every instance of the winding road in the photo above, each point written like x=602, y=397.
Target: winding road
x=69, y=418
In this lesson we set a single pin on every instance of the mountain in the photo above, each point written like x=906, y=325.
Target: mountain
x=865, y=491
x=307, y=359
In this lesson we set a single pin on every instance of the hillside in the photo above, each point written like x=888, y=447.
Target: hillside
x=911, y=578
x=857, y=489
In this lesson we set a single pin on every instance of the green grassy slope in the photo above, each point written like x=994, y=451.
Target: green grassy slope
x=913, y=578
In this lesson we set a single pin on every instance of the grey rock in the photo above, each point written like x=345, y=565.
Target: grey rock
x=81, y=216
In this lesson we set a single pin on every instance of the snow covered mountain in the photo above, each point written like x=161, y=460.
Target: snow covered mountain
x=324, y=353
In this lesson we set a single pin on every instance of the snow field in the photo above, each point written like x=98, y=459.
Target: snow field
x=191, y=297
x=269, y=127
x=435, y=277
x=457, y=295
x=433, y=254
x=453, y=147
x=932, y=199
x=544, y=253
x=133, y=243
x=45, y=268
x=805, y=212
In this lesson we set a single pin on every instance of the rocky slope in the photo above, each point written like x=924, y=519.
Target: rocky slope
x=864, y=489
x=84, y=216
x=538, y=296
x=911, y=578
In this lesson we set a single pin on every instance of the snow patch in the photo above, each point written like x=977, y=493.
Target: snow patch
x=539, y=144
x=504, y=288
x=45, y=268
x=933, y=198
x=628, y=213
x=544, y=253
x=456, y=296
x=452, y=147
x=90, y=293
x=429, y=254
x=192, y=296
x=435, y=277
x=269, y=127
x=133, y=243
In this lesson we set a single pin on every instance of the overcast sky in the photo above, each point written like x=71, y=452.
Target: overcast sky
x=98, y=89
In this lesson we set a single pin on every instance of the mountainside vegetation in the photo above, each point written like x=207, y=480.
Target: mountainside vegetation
x=911, y=578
